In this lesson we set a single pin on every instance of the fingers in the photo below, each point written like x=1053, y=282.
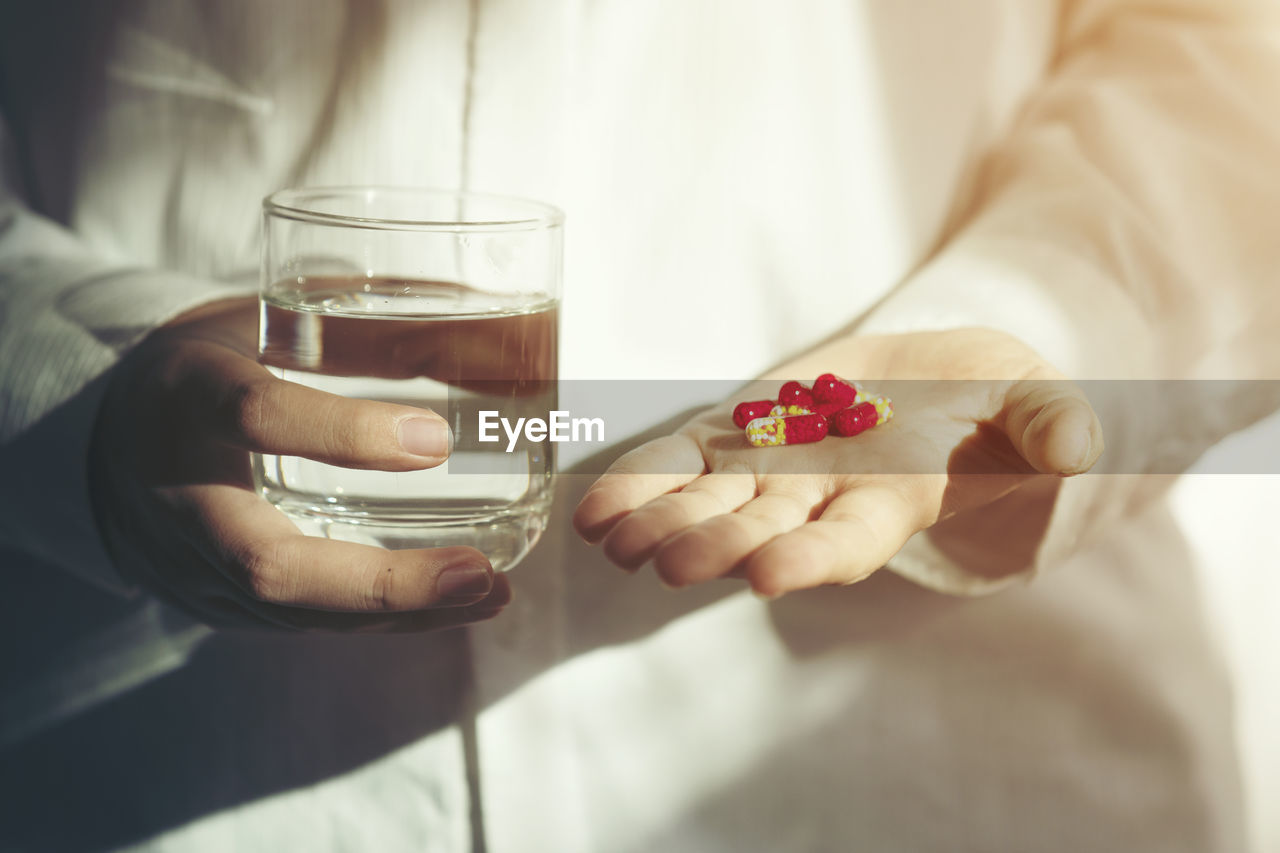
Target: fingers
x=245, y=406
x=417, y=621
x=653, y=469
x=1052, y=426
x=856, y=534
x=254, y=614
x=323, y=574
x=714, y=547
x=266, y=556
x=634, y=539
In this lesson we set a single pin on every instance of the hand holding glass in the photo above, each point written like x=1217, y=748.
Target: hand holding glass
x=436, y=299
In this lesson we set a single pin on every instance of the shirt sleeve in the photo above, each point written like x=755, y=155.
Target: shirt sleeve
x=1124, y=228
x=66, y=316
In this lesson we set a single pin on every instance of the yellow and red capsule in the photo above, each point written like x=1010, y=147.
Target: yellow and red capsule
x=796, y=429
x=884, y=408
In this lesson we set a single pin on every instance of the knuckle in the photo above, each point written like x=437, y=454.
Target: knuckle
x=1035, y=425
x=766, y=580
x=262, y=585
x=1025, y=409
x=345, y=430
x=380, y=592
x=262, y=572
x=246, y=408
x=670, y=569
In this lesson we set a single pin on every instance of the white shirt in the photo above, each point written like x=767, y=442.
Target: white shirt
x=741, y=182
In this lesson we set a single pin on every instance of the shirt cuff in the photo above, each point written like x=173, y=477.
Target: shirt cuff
x=66, y=356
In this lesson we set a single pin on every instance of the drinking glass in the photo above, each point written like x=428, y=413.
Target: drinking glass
x=432, y=298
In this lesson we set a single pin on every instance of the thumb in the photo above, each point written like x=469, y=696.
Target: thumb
x=1051, y=424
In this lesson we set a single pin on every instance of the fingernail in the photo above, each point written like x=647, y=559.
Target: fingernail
x=424, y=437
x=464, y=582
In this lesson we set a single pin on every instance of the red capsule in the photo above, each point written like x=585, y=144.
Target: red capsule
x=829, y=388
x=829, y=409
x=798, y=429
x=860, y=418
x=795, y=394
x=745, y=413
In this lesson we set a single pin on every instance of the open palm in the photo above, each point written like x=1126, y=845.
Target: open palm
x=981, y=415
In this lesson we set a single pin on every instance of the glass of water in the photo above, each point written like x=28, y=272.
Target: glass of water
x=438, y=299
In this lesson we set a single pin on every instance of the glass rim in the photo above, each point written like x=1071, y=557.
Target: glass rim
x=290, y=204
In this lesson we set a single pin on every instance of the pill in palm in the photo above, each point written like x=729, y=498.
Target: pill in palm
x=884, y=408
x=802, y=415
x=829, y=388
x=829, y=408
x=852, y=421
x=745, y=413
x=797, y=429
x=795, y=394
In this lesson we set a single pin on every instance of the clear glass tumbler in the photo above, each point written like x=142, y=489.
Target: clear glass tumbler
x=439, y=299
